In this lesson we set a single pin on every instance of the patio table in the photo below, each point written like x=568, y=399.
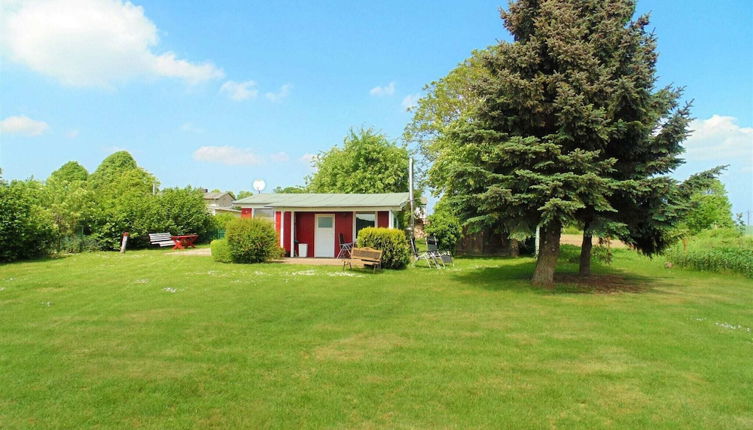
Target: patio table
x=184, y=241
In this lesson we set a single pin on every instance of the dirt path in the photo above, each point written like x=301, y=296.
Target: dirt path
x=197, y=251
x=577, y=239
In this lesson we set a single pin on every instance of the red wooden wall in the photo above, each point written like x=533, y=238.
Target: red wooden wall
x=383, y=219
x=304, y=230
x=344, y=225
x=305, y=226
x=247, y=212
x=288, y=228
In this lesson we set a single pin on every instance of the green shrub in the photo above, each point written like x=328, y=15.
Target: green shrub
x=27, y=230
x=392, y=242
x=446, y=228
x=75, y=244
x=252, y=240
x=221, y=251
x=218, y=224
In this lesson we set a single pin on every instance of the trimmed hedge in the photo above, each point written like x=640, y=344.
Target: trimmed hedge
x=221, y=251
x=252, y=240
x=391, y=241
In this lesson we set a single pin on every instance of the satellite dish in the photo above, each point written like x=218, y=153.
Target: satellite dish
x=259, y=185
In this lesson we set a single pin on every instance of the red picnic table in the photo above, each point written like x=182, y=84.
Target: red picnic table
x=184, y=241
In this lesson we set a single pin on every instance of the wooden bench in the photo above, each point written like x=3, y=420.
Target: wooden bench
x=364, y=257
x=161, y=239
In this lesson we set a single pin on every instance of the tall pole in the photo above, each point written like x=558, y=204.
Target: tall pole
x=410, y=196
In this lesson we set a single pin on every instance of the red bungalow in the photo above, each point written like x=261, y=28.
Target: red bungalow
x=318, y=221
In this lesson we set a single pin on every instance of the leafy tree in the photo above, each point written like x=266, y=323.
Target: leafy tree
x=446, y=101
x=68, y=197
x=294, y=189
x=366, y=163
x=69, y=172
x=445, y=226
x=243, y=194
x=553, y=113
x=71, y=203
x=123, y=197
x=710, y=208
x=112, y=168
x=181, y=211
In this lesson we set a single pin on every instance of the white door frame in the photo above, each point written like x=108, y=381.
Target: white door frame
x=330, y=252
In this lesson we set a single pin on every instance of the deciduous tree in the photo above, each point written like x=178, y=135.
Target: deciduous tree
x=367, y=162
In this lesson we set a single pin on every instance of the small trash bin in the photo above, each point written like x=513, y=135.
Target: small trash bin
x=303, y=250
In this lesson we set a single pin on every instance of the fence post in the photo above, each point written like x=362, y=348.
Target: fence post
x=123, y=242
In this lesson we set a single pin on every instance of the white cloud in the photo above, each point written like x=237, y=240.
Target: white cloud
x=22, y=126
x=720, y=138
x=307, y=158
x=283, y=93
x=279, y=157
x=91, y=43
x=72, y=134
x=386, y=90
x=228, y=155
x=239, y=91
x=410, y=101
x=188, y=127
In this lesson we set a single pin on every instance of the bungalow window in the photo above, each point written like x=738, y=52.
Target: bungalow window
x=364, y=220
x=267, y=214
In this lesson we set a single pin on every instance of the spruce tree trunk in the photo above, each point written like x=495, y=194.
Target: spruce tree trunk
x=585, y=254
x=549, y=250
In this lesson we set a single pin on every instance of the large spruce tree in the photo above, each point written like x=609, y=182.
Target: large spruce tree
x=568, y=128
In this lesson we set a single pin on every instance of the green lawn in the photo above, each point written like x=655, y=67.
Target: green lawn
x=151, y=340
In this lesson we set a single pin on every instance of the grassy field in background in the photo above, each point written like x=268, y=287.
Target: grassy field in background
x=153, y=340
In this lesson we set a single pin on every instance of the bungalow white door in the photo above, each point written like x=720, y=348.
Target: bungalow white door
x=324, y=236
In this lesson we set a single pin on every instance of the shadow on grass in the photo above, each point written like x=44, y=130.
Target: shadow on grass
x=37, y=260
x=516, y=276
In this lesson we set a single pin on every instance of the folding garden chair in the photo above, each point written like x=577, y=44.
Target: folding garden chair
x=345, y=248
x=431, y=256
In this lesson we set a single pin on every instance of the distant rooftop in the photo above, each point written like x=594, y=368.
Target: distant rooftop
x=215, y=195
x=316, y=200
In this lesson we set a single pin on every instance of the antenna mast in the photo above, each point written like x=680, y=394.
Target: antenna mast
x=410, y=196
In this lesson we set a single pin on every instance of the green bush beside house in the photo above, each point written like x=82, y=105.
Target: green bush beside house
x=252, y=240
x=221, y=251
x=392, y=243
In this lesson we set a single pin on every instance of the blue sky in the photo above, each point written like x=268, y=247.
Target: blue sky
x=217, y=94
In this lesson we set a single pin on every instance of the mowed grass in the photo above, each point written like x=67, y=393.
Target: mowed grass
x=152, y=340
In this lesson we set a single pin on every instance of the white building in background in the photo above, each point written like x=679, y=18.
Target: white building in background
x=220, y=202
